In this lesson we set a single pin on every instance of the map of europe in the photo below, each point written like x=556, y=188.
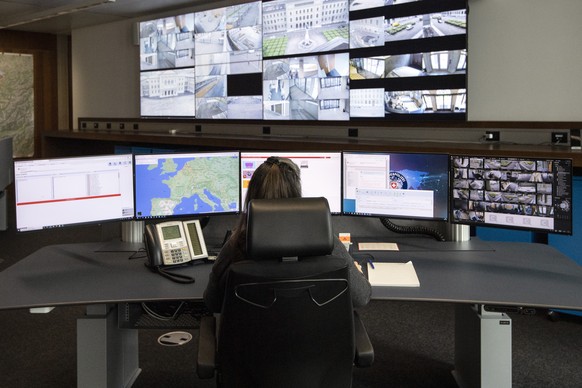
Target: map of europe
x=180, y=186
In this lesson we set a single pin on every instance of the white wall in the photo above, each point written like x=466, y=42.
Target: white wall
x=525, y=59
x=105, y=72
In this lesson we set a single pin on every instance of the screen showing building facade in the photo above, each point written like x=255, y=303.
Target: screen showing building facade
x=308, y=60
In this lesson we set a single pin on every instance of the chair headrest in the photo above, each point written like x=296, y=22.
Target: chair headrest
x=288, y=227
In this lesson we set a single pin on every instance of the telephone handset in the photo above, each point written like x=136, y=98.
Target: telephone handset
x=174, y=243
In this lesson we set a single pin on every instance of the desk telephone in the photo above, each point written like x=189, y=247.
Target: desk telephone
x=174, y=243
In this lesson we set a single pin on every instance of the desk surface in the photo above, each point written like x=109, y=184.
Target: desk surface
x=520, y=274
x=504, y=273
x=80, y=274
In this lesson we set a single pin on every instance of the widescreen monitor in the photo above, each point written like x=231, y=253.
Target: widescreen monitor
x=320, y=173
x=186, y=184
x=59, y=192
x=396, y=185
x=532, y=194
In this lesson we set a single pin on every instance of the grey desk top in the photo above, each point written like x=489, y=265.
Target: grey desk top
x=517, y=274
x=502, y=273
x=78, y=274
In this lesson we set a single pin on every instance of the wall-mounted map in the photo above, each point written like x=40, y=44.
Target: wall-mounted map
x=17, y=101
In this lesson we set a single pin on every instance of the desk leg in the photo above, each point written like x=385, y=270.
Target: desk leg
x=107, y=356
x=482, y=348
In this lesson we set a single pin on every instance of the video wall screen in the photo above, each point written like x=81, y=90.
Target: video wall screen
x=520, y=193
x=316, y=60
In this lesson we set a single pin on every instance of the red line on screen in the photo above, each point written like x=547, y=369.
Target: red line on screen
x=68, y=199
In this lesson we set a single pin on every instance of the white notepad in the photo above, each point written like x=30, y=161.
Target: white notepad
x=377, y=246
x=393, y=274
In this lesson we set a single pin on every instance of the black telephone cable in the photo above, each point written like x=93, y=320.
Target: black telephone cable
x=175, y=277
x=412, y=229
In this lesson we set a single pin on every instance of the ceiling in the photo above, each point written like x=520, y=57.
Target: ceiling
x=72, y=14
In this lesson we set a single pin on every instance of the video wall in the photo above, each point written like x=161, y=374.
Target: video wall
x=318, y=60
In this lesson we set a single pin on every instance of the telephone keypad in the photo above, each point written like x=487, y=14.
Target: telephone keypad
x=177, y=255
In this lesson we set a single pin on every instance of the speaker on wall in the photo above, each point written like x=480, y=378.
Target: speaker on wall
x=575, y=139
x=135, y=33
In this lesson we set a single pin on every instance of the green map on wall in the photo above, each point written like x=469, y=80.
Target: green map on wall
x=17, y=102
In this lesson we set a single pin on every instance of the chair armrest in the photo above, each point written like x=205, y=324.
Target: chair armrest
x=206, y=359
x=364, y=350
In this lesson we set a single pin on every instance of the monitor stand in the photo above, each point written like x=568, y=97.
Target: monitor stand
x=132, y=231
x=131, y=238
x=458, y=232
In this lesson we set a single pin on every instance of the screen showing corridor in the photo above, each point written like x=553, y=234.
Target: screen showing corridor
x=53, y=193
x=520, y=193
x=308, y=60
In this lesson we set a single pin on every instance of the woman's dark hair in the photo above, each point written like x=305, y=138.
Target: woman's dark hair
x=275, y=178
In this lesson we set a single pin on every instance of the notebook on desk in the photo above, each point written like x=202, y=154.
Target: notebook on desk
x=393, y=274
x=377, y=246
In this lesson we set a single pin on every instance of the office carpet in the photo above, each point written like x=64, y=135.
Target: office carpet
x=414, y=342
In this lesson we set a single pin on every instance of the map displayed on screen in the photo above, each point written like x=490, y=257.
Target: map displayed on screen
x=185, y=184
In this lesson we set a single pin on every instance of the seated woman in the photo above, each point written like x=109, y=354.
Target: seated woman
x=275, y=178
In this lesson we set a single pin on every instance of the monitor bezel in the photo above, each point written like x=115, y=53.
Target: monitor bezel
x=72, y=224
x=189, y=215
x=286, y=153
x=446, y=203
x=474, y=224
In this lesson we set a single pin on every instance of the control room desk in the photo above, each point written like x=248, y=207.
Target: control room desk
x=485, y=280
x=93, y=275
x=471, y=274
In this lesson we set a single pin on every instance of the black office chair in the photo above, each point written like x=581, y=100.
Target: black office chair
x=287, y=317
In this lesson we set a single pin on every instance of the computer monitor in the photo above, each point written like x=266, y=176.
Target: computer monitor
x=320, y=173
x=396, y=185
x=533, y=194
x=186, y=184
x=59, y=192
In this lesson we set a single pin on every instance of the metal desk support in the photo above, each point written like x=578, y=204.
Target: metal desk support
x=107, y=356
x=482, y=348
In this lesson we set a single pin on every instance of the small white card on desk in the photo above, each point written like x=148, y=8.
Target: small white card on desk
x=393, y=274
x=377, y=246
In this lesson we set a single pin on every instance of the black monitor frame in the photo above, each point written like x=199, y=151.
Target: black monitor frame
x=309, y=188
x=70, y=191
x=522, y=193
x=197, y=200
x=431, y=174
